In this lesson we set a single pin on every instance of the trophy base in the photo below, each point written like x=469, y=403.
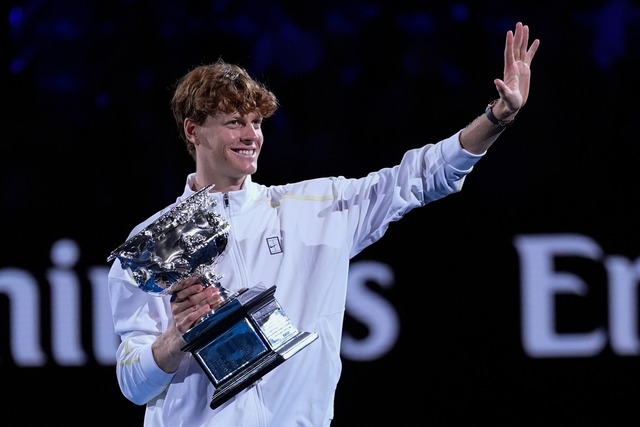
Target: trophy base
x=260, y=368
x=244, y=339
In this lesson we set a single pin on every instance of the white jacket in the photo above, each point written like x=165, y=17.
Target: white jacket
x=319, y=224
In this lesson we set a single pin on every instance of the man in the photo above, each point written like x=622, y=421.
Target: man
x=317, y=227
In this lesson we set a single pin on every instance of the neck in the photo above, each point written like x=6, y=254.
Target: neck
x=219, y=187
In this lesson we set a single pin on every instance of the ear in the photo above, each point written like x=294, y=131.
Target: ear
x=190, y=130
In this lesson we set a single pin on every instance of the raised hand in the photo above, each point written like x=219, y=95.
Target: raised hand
x=514, y=87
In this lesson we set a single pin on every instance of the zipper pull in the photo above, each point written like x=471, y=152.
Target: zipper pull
x=225, y=200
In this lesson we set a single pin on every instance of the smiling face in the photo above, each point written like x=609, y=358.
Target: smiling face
x=219, y=111
x=227, y=147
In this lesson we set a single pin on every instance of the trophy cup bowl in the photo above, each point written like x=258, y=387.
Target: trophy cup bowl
x=186, y=240
x=243, y=338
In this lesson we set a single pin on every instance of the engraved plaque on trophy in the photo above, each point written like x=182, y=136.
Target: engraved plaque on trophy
x=249, y=333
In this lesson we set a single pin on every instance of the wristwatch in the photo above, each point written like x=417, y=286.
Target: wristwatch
x=497, y=123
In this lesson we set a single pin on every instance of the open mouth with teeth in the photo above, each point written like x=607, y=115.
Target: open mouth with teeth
x=245, y=152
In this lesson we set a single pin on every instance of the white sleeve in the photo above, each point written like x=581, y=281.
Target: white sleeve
x=138, y=318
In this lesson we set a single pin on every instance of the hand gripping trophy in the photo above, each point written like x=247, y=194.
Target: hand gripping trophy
x=248, y=334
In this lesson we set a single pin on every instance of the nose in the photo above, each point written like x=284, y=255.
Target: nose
x=250, y=134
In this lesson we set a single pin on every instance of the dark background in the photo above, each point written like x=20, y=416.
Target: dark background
x=89, y=149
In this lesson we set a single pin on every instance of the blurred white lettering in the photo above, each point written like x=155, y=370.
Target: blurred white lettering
x=624, y=277
x=66, y=326
x=67, y=345
x=66, y=339
x=541, y=283
x=24, y=311
x=378, y=315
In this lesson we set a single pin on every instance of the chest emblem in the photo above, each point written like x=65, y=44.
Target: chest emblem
x=274, y=245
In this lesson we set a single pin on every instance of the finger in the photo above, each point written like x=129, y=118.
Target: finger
x=532, y=51
x=519, y=38
x=186, y=289
x=215, y=300
x=508, y=50
x=181, y=284
x=187, y=318
x=197, y=314
x=523, y=42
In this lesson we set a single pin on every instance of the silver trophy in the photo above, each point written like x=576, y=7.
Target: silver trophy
x=240, y=340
